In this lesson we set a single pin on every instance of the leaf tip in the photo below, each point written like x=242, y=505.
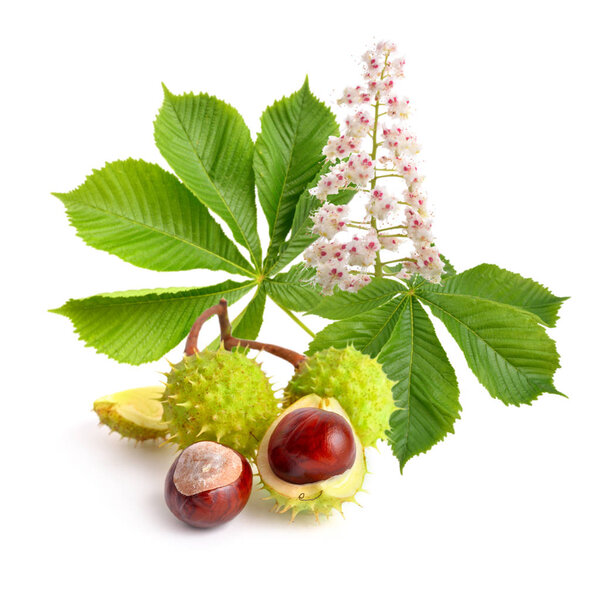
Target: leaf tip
x=166, y=91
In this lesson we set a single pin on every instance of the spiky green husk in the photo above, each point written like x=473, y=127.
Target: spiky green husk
x=319, y=498
x=218, y=396
x=134, y=413
x=356, y=380
x=320, y=505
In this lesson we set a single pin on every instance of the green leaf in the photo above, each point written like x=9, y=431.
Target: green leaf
x=426, y=391
x=292, y=290
x=490, y=282
x=346, y=304
x=367, y=332
x=248, y=325
x=288, y=155
x=449, y=269
x=509, y=352
x=208, y=145
x=146, y=216
x=300, y=236
x=138, y=326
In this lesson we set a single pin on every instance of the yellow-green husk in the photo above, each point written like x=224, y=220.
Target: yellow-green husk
x=133, y=413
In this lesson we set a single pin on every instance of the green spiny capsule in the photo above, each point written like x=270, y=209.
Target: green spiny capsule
x=220, y=396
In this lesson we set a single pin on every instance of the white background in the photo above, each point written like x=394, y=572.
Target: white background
x=507, y=112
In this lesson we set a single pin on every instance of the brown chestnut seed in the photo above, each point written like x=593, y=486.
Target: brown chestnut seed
x=208, y=484
x=310, y=445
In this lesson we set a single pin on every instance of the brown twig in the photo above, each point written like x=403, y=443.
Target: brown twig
x=230, y=342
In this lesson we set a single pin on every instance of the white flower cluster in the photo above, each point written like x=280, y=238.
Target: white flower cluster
x=349, y=253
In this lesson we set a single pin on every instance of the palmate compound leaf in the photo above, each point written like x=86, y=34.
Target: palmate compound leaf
x=489, y=282
x=426, y=390
x=208, y=145
x=139, y=326
x=506, y=348
x=146, y=216
x=287, y=157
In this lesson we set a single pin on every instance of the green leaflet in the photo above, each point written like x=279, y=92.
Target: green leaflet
x=248, y=324
x=490, y=282
x=208, y=145
x=287, y=156
x=509, y=352
x=138, y=326
x=347, y=304
x=146, y=216
x=367, y=332
x=292, y=290
x=426, y=391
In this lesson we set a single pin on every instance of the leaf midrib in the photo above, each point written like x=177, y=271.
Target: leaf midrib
x=165, y=233
x=246, y=241
x=135, y=301
x=385, y=324
x=519, y=372
x=289, y=163
x=487, y=300
x=404, y=444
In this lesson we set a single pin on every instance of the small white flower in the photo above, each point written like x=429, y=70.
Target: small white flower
x=329, y=220
x=417, y=200
x=418, y=229
x=340, y=148
x=374, y=62
x=354, y=282
x=398, y=107
x=381, y=89
x=329, y=274
x=360, y=169
x=362, y=250
x=390, y=243
x=431, y=266
x=355, y=96
x=399, y=140
x=358, y=124
x=396, y=67
x=322, y=251
x=330, y=183
x=385, y=47
x=382, y=205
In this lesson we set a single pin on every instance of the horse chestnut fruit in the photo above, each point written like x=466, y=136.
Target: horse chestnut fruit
x=208, y=484
x=311, y=459
x=310, y=445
